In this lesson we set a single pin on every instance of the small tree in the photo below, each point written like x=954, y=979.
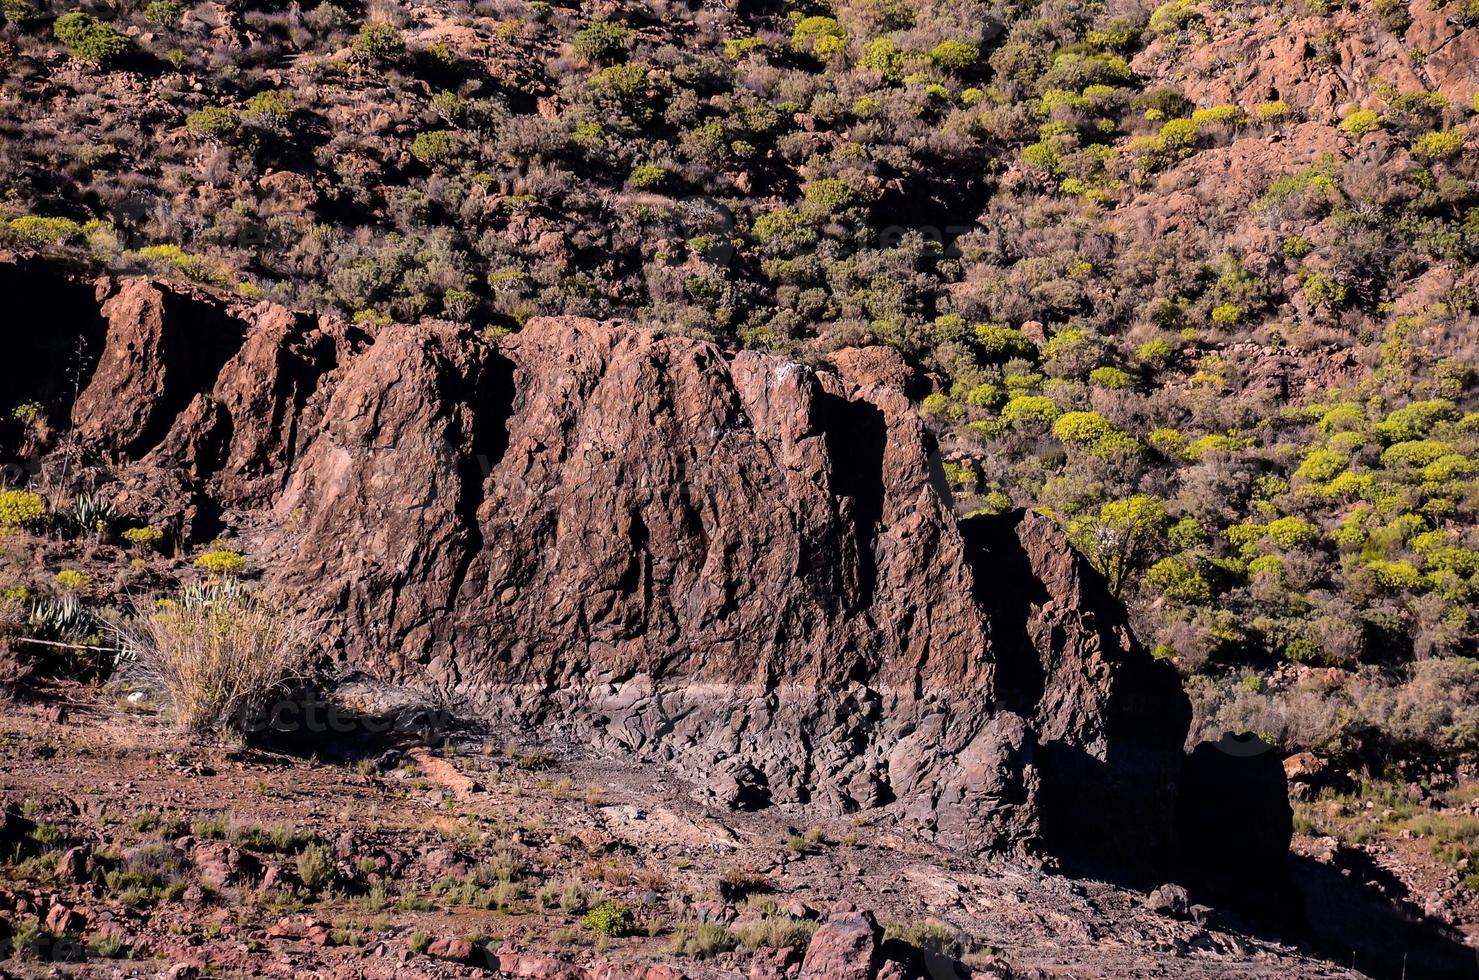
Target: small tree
x=1123, y=538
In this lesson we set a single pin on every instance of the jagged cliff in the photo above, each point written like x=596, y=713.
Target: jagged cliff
x=739, y=565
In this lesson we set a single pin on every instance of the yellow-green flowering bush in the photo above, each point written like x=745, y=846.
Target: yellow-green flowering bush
x=222, y=562
x=20, y=508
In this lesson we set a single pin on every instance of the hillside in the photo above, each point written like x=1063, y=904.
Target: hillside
x=663, y=345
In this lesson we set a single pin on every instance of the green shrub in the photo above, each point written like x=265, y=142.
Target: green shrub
x=1154, y=353
x=1321, y=465
x=162, y=11
x=610, y=919
x=784, y=226
x=1415, y=420
x=1178, y=578
x=998, y=343
x=1322, y=290
x=829, y=195
x=1178, y=15
x=1266, y=565
x=602, y=41
x=435, y=146
x=1276, y=111
x=21, y=13
x=1029, y=410
x=1218, y=115
x=1415, y=454
x=1082, y=427
x=1169, y=442
x=1297, y=246
x=985, y=395
x=213, y=122
x=935, y=403
x=380, y=41
x=954, y=55
x=648, y=175
x=1361, y=122
x=268, y=109
x=1112, y=379
x=883, y=56
x=625, y=83
x=1431, y=147
x=20, y=508
x=315, y=867
x=822, y=37
x=1400, y=575
x=1292, y=532
x=72, y=580
x=167, y=258
x=91, y=39
x=40, y=231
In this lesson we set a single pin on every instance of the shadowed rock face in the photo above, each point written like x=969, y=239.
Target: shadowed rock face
x=736, y=564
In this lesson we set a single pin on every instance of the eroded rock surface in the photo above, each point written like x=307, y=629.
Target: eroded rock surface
x=737, y=564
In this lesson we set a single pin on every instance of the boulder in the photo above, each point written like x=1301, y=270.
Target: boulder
x=1169, y=900
x=848, y=946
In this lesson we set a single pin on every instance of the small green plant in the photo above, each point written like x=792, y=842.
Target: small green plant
x=700, y=939
x=610, y=919
x=819, y=36
x=143, y=538
x=72, y=580
x=573, y=898
x=954, y=55
x=162, y=11
x=90, y=39
x=648, y=175
x=435, y=146
x=1360, y=122
x=418, y=942
x=1438, y=145
x=108, y=947
x=211, y=827
x=776, y=930
x=315, y=867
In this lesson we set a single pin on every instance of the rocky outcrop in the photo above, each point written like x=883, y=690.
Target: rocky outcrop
x=740, y=565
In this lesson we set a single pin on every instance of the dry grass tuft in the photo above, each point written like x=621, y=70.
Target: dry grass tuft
x=217, y=653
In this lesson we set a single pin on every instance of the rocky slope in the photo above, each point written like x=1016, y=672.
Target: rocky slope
x=742, y=566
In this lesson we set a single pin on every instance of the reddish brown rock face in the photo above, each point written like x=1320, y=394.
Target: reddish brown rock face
x=735, y=564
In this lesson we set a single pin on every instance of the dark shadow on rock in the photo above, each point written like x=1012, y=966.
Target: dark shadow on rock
x=308, y=724
x=1107, y=812
x=1233, y=827
x=52, y=333
x=1344, y=921
x=856, y=436
x=198, y=338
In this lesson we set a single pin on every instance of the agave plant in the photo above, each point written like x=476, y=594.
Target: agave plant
x=63, y=619
x=91, y=513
